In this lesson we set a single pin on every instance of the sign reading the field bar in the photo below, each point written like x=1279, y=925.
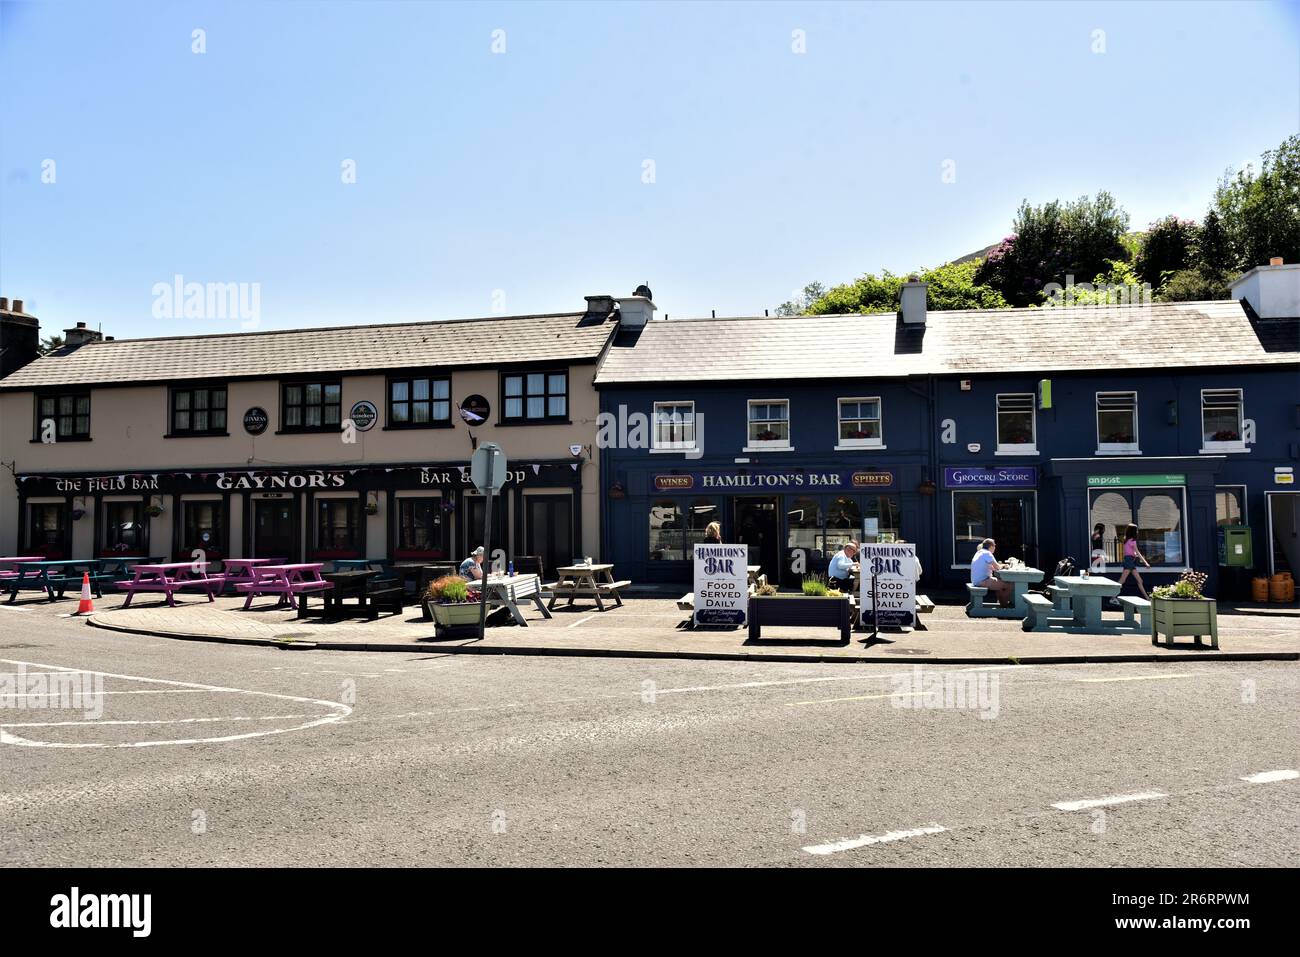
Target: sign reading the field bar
x=721, y=584
x=889, y=584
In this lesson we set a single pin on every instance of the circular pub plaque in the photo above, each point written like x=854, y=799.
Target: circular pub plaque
x=475, y=410
x=363, y=415
x=256, y=420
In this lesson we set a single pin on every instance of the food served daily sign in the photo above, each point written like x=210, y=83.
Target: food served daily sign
x=721, y=584
x=889, y=573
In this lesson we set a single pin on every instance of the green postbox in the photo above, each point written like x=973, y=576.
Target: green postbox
x=1235, y=547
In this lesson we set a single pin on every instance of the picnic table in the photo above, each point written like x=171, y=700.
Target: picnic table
x=168, y=578
x=586, y=581
x=358, y=583
x=506, y=591
x=119, y=566
x=239, y=571
x=54, y=576
x=6, y=571
x=360, y=564
x=1020, y=578
x=1086, y=596
x=286, y=581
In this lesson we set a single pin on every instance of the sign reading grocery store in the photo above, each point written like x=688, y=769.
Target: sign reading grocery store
x=888, y=584
x=1009, y=476
x=756, y=480
x=1105, y=481
x=364, y=415
x=721, y=584
x=256, y=420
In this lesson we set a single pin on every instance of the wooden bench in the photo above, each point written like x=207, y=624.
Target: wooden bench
x=923, y=605
x=1039, y=609
x=1139, y=607
x=287, y=592
x=686, y=602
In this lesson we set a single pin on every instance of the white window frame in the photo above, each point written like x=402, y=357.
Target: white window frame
x=768, y=445
x=846, y=445
x=1245, y=501
x=1209, y=445
x=682, y=446
x=1118, y=448
x=1016, y=448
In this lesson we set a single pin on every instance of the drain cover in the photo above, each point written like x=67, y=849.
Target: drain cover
x=907, y=651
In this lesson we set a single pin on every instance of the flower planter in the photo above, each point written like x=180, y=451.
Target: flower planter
x=1171, y=617
x=461, y=616
x=799, y=611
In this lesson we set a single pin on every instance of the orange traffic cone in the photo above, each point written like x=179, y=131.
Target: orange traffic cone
x=85, y=606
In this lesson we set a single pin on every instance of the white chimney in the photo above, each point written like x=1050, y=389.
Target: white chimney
x=913, y=304
x=1273, y=291
x=635, y=311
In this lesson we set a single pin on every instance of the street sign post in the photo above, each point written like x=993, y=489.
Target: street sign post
x=487, y=470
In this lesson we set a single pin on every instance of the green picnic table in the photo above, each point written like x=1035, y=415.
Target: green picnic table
x=55, y=576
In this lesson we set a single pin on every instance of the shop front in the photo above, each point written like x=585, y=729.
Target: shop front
x=997, y=502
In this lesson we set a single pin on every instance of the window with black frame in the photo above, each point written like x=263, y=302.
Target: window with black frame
x=666, y=531
x=1158, y=515
x=535, y=397
x=419, y=402
x=420, y=528
x=124, y=528
x=47, y=529
x=204, y=528
x=338, y=524
x=198, y=410
x=312, y=406
x=65, y=416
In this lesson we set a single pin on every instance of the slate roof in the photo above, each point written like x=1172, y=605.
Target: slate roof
x=1161, y=335
x=459, y=343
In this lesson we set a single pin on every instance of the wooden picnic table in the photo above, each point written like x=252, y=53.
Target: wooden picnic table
x=119, y=566
x=238, y=571
x=1020, y=578
x=286, y=581
x=359, y=583
x=586, y=581
x=507, y=591
x=6, y=561
x=168, y=578
x=52, y=576
x=1086, y=596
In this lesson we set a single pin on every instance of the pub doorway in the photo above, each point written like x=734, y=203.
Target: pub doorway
x=757, y=523
x=275, y=532
x=548, y=531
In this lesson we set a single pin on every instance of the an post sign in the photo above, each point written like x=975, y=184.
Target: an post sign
x=889, y=584
x=1007, y=476
x=759, y=479
x=721, y=584
x=364, y=415
x=256, y=420
x=1105, y=481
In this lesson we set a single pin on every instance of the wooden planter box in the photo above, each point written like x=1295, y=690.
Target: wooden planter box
x=462, y=615
x=1171, y=617
x=799, y=611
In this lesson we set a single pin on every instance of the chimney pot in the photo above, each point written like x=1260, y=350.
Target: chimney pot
x=81, y=325
x=4, y=303
x=1275, y=261
x=18, y=305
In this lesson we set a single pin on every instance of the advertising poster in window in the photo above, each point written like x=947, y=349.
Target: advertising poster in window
x=889, y=585
x=721, y=584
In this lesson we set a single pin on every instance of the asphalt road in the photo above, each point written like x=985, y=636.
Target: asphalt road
x=325, y=758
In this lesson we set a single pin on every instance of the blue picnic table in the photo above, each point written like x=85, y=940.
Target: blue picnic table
x=55, y=576
x=118, y=567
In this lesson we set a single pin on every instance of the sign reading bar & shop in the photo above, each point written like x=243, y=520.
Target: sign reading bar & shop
x=1009, y=476
x=889, y=584
x=747, y=481
x=721, y=584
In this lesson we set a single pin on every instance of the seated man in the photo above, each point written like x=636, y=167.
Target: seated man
x=471, y=569
x=982, y=567
x=842, y=567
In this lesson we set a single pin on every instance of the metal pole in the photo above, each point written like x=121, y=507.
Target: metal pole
x=489, y=493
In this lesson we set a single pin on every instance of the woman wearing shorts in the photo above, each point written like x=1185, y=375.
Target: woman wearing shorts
x=1131, y=558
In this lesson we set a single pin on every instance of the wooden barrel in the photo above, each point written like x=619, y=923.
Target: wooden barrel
x=1281, y=590
x=1259, y=589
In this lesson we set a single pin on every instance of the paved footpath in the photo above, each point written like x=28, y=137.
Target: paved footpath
x=654, y=627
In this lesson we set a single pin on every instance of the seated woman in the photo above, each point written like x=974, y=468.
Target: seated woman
x=471, y=569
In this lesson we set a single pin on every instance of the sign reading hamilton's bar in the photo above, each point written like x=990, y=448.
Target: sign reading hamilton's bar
x=811, y=480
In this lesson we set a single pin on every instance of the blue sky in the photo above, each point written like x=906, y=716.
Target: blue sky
x=513, y=181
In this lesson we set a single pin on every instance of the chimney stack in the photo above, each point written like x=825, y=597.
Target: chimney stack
x=18, y=305
x=1273, y=291
x=636, y=310
x=913, y=302
x=80, y=335
x=20, y=337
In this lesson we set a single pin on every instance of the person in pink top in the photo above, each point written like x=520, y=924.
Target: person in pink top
x=1131, y=557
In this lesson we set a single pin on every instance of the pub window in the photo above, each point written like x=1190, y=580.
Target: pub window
x=203, y=528
x=536, y=397
x=198, y=411
x=337, y=527
x=860, y=423
x=420, y=528
x=1117, y=429
x=769, y=424
x=1221, y=420
x=1158, y=514
x=313, y=405
x=880, y=520
x=124, y=528
x=68, y=411
x=1016, y=423
x=803, y=522
x=676, y=527
x=674, y=425
x=702, y=512
x=1230, y=505
x=419, y=402
x=843, y=523
x=47, y=530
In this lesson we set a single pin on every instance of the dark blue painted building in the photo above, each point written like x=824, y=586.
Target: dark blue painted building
x=1027, y=426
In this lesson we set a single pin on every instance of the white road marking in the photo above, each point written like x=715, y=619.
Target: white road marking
x=860, y=697
x=97, y=722
x=151, y=691
x=13, y=608
x=866, y=840
x=338, y=712
x=1268, y=777
x=879, y=676
x=1107, y=801
x=580, y=621
x=1140, y=678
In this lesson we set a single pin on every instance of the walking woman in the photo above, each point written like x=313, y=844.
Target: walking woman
x=1098, y=557
x=1131, y=558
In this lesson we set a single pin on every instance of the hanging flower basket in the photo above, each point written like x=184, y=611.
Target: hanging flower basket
x=153, y=511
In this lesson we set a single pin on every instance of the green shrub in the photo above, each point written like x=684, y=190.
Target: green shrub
x=449, y=588
x=814, y=585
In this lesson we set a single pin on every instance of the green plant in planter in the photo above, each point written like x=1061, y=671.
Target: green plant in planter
x=449, y=590
x=1187, y=587
x=766, y=589
x=814, y=585
x=1181, y=609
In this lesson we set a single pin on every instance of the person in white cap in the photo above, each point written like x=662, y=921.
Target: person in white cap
x=471, y=569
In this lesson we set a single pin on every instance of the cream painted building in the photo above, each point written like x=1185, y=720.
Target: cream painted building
x=345, y=442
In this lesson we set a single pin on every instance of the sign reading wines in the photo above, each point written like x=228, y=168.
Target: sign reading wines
x=721, y=584
x=889, y=576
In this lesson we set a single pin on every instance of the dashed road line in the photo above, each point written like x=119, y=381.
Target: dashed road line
x=860, y=697
x=1136, y=678
x=580, y=621
x=1268, y=777
x=866, y=840
x=1108, y=801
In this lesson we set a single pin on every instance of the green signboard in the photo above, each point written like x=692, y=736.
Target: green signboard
x=1109, y=480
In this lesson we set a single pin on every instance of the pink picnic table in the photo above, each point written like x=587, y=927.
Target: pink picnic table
x=8, y=560
x=238, y=571
x=285, y=581
x=169, y=578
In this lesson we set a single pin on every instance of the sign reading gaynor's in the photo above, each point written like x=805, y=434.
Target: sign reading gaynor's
x=889, y=574
x=721, y=584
